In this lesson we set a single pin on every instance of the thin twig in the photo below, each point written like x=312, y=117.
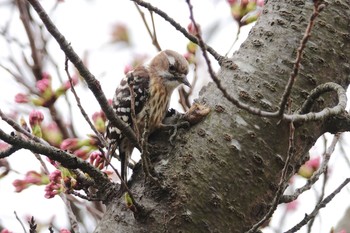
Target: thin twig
x=317, y=9
x=178, y=27
x=91, y=81
x=71, y=216
x=154, y=38
x=9, y=151
x=325, y=179
x=317, y=208
x=66, y=159
x=19, y=220
x=83, y=112
x=316, y=175
x=152, y=35
x=37, y=66
x=235, y=40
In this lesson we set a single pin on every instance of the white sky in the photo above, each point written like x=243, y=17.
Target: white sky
x=87, y=25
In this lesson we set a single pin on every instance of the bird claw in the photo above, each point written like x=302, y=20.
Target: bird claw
x=175, y=127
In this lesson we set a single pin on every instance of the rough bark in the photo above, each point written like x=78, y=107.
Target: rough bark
x=222, y=174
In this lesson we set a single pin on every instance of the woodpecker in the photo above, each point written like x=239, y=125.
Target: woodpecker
x=152, y=86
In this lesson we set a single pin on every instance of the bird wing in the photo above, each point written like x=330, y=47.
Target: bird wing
x=122, y=100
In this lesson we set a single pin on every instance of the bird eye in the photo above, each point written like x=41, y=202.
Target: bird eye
x=172, y=68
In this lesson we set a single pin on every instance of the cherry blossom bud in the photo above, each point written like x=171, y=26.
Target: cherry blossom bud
x=52, y=189
x=260, y=3
x=97, y=160
x=70, y=144
x=99, y=119
x=67, y=84
x=192, y=47
x=82, y=153
x=190, y=57
x=193, y=30
x=231, y=2
x=308, y=169
x=120, y=34
x=127, y=68
x=64, y=231
x=33, y=177
x=45, y=75
x=52, y=134
x=291, y=206
x=55, y=176
x=43, y=85
x=20, y=185
x=4, y=146
x=35, y=118
x=5, y=231
x=314, y=163
x=21, y=98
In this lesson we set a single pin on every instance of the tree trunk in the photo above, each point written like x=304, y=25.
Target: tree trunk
x=223, y=173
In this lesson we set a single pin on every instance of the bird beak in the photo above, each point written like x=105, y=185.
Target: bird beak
x=185, y=81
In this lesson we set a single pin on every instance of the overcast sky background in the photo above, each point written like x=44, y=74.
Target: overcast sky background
x=87, y=25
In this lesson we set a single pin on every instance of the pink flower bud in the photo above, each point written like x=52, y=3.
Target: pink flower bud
x=52, y=134
x=99, y=119
x=260, y=3
x=21, y=98
x=5, y=231
x=190, y=57
x=97, y=160
x=55, y=176
x=120, y=34
x=292, y=205
x=45, y=75
x=193, y=30
x=231, y=2
x=4, y=146
x=127, y=68
x=64, y=231
x=99, y=115
x=313, y=163
x=35, y=118
x=67, y=84
x=82, y=153
x=70, y=144
x=43, y=85
x=33, y=177
x=20, y=185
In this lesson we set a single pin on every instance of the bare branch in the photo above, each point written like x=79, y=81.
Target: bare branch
x=36, y=67
x=319, y=206
x=66, y=159
x=178, y=27
x=91, y=81
x=9, y=151
x=152, y=35
x=316, y=175
x=86, y=117
x=317, y=9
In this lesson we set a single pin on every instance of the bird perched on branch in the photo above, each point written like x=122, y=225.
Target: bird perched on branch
x=150, y=88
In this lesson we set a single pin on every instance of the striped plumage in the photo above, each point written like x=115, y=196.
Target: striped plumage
x=153, y=86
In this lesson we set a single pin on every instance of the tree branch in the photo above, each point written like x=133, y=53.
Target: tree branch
x=321, y=205
x=92, y=82
x=66, y=159
x=178, y=27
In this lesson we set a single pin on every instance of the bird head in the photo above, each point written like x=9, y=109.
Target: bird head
x=172, y=67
